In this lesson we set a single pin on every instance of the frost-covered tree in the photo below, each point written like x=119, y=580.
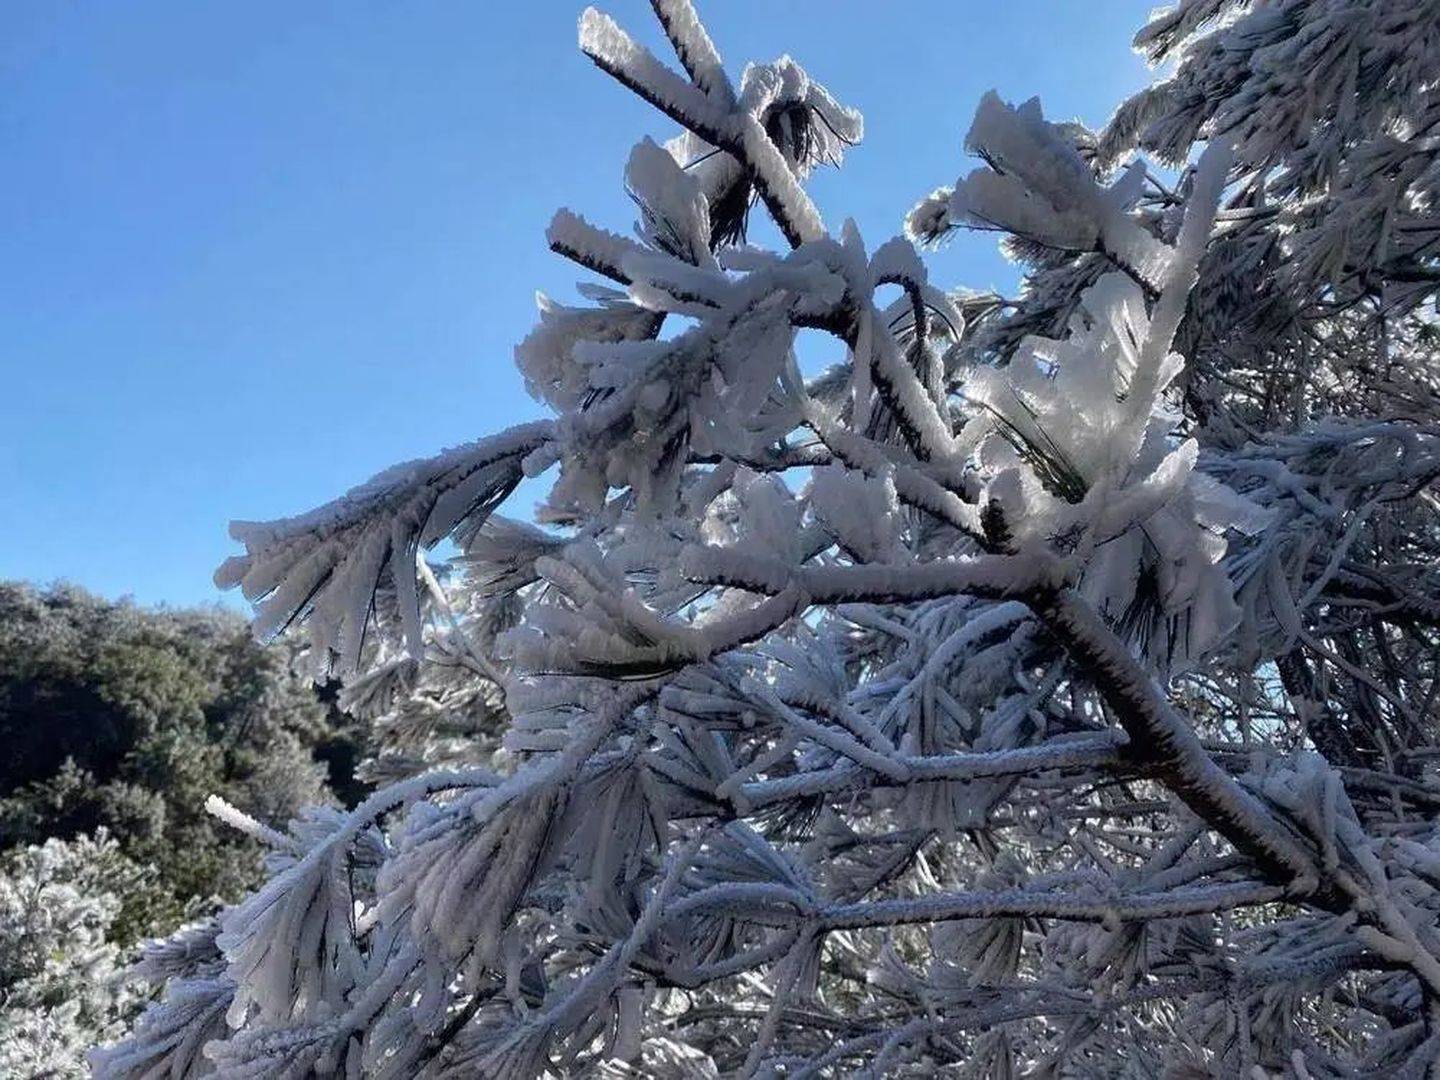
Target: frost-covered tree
x=61, y=984
x=1012, y=697
x=1327, y=241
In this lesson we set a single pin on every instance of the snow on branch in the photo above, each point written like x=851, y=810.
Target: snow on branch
x=697, y=53
x=326, y=567
x=990, y=575
x=721, y=122
x=1036, y=186
x=1047, y=685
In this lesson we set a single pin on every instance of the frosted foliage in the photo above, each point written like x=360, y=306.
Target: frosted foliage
x=1039, y=188
x=1096, y=460
x=861, y=512
x=1325, y=249
x=1032, y=692
x=61, y=989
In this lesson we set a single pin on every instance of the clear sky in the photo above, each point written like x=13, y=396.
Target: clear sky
x=251, y=253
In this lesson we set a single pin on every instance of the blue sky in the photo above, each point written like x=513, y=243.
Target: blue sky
x=253, y=253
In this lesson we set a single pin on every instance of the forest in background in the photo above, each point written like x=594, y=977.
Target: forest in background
x=118, y=722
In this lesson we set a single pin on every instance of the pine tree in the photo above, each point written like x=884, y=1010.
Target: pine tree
x=1028, y=692
x=61, y=987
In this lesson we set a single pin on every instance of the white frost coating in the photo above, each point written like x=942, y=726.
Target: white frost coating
x=326, y=566
x=663, y=284
x=778, y=184
x=602, y=39
x=547, y=358
x=862, y=363
x=290, y=950
x=1087, y=422
x=676, y=214
x=1209, y=181
x=863, y=514
x=737, y=129
x=597, y=249
x=238, y=819
x=896, y=260
x=913, y=486
x=1041, y=189
x=929, y=220
x=169, y=1040
x=946, y=726
x=764, y=88
x=697, y=53
x=989, y=575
